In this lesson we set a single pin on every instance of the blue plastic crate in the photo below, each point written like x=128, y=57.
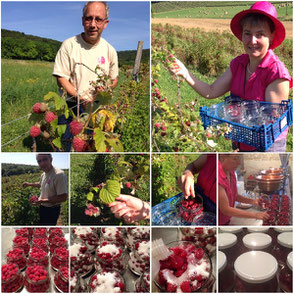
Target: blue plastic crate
x=260, y=137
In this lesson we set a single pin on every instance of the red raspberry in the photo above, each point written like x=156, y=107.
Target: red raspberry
x=36, y=108
x=79, y=145
x=35, y=131
x=76, y=127
x=33, y=199
x=171, y=288
x=128, y=185
x=199, y=253
x=50, y=116
x=185, y=287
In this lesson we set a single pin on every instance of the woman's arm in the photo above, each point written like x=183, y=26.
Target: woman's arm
x=243, y=199
x=277, y=91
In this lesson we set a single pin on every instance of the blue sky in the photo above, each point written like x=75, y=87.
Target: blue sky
x=60, y=160
x=129, y=21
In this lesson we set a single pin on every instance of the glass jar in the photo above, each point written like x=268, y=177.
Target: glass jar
x=17, y=256
x=256, y=272
x=139, y=261
x=24, y=232
x=284, y=247
x=22, y=243
x=186, y=260
x=37, y=279
x=257, y=230
x=257, y=241
x=55, y=232
x=81, y=261
x=38, y=256
x=61, y=279
x=227, y=243
x=189, y=208
x=114, y=235
x=12, y=279
x=40, y=233
x=59, y=257
x=142, y=285
x=137, y=234
x=238, y=231
x=286, y=275
x=75, y=283
x=226, y=275
x=87, y=235
x=111, y=257
x=57, y=242
x=107, y=282
x=40, y=243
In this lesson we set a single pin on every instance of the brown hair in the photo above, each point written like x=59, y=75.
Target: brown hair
x=256, y=18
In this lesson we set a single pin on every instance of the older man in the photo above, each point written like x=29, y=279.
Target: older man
x=53, y=186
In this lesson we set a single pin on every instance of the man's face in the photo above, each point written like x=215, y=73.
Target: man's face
x=44, y=162
x=94, y=22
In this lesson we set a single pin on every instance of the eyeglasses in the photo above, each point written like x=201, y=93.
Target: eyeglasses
x=98, y=20
x=43, y=160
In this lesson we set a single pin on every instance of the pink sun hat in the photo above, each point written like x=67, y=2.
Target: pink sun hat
x=267, y=9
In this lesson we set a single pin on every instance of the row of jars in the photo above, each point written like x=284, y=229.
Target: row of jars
x=256, y=259
x=32, y=252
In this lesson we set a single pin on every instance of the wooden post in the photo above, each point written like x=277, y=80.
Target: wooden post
x=137, y=61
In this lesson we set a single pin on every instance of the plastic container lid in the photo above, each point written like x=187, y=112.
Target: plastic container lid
x=256, y=267
x=226, y=240
x=257, y=241
x=285, y=239
x=222, y=261
x=257, y=229
x=232, y=230
x=281, y=230
x=290, y=260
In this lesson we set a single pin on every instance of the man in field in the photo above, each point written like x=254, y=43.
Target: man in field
x=53, y=186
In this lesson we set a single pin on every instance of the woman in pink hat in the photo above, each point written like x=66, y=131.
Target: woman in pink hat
x=256, y=75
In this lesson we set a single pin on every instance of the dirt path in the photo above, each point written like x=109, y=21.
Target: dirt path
x=209, y=24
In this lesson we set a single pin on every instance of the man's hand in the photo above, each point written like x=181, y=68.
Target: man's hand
x=25, y=184
x=186, y=183
x=130, y=208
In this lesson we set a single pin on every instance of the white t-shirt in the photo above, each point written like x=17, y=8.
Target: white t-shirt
x=75, y=51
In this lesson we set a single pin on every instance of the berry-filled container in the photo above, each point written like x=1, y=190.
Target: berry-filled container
x=55, y=232
x=12, y=279
x=81, y=261
x=107, y=282
x=256, y=271
x=137, y=234
x=284, y=247
x=226, y=275
x=142, y=284
x=187, y=269
x=111, y=257
x=139, y=261
x=258, y=241
x=57, y=242
x=22, y=243
x=38, y=256
x=114, y=235
x=75, y=283
x=60, y=257
x=238, y=231
x=24, y=232
x=61, y=281
x=227, y=243
x=40, y=233
x=88, y=236
x=40, y=243
x=286, y=275
x=37, y=279
x=190, y=208
x=17, y=256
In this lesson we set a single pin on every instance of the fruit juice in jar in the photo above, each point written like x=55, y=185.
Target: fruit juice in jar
x=256, y=271
x=226, y=274
x=61, y=279
x=257, y=241
x=17, y=256
x=286, y=275
x=284, y=247
x=227, y=243
x=12, y=279
x=37, y=279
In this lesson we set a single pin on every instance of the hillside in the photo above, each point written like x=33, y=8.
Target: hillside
x=10, y=169
x=17, y=45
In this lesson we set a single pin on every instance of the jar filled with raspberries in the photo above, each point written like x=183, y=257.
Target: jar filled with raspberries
x=139, y=261
x=111, y=257
x=88, y=236
x=40, y=243
x=284, y=247
x=75, y=283
x=286, y=275
x=12, y=279
x=60, y=257
x=38, y=256
x=22, y=243
x=107, y=282
x=61, y=279
x=17, y=256
x=226, y=274
x=137, y=234
x=40, y=233
x=113, y=235
x=53, y=232
x=57, y=241
x=81, y=261
x=190, y=208
x=24, y=232
x=37, y=279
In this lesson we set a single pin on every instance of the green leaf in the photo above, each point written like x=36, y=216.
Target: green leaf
x=54, y=123
x=59, y=102
x=115, y=177
x=57, y=142
x=104, y=98
x=116, y=144
x=61, y=129
x=110, y=191
x=96, y=189
x=90, y=196
x=99, y=139
x=51, y=96
x=35, y=117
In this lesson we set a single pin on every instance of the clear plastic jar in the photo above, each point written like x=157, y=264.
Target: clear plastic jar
x=189, y=208
x=114, y=235
x=59, y=258
x=286, y=275
x=227, y=243
x=24, y=232
x=226, y=275
x=61, y=279
x=238, y=231
x=40, y=243
x=38, y=256
x=12, y=279
x=75, y=283
x=257, y=230
x=88, y=236
x=17, y=256
x=142, y=285
x=22, y=243
x=139, y=261
x=81, y=261
x=284, y=247
x=55, y=232
x=40, y=233
x=137, y=234
x=257, y=241
x=111, y=257
x=37, y=279
x=107, y=282
x=256, y=272
x=57, y=242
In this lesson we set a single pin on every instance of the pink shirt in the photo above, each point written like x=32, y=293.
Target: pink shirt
x=207, y=177
x=269, y=70
x=231, y=191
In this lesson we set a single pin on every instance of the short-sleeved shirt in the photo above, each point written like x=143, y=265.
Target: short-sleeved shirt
x=75, y=51
x=207, y=177
x=269, y=70
x=230, y=187
x=53, y=183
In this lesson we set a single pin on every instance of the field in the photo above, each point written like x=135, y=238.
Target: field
x=26, y=82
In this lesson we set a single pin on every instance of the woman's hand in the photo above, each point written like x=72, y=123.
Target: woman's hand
x=179, y=69
x=186, y=183
x=262, y=215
